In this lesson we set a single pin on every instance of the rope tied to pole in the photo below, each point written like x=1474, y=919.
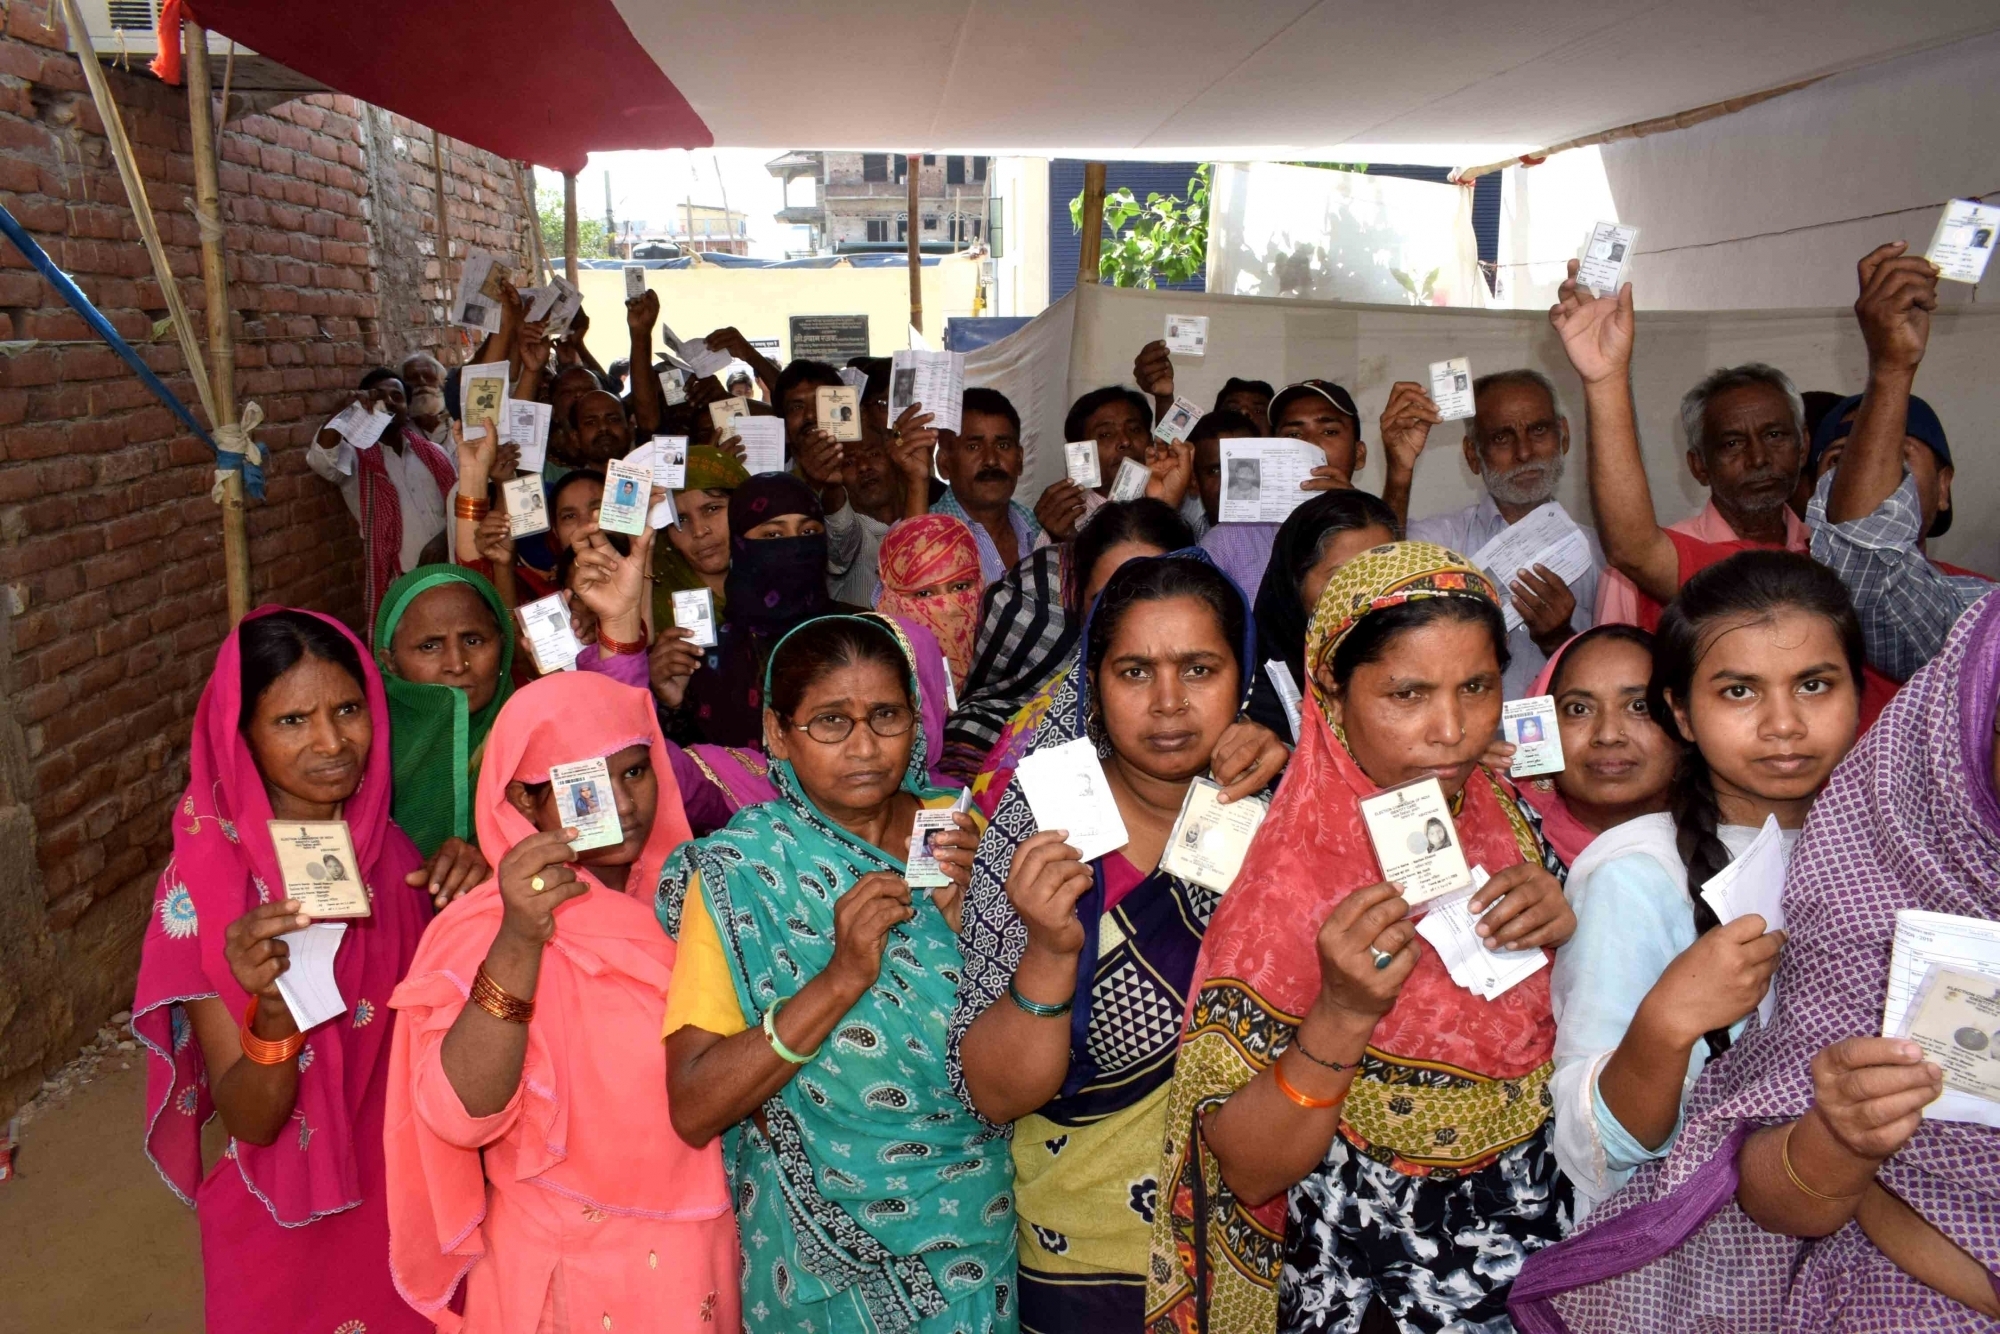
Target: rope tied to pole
x=210, y=227
x=235, y=451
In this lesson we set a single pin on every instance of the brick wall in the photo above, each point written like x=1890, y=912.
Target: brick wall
x=111, y=578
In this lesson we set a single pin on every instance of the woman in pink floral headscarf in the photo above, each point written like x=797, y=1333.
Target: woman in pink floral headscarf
x=930, y=574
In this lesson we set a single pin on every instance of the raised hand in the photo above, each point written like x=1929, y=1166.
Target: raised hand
x=820, y=458
x=493, y=540
x=1061, y=508
x=641, y=314
x=670, y=663
x=863, y=917
x=1365, y=925
x=476, y=456
x=913, y=442
x=610, y=584
x=1153, y=370
x=1247, y=758
x=1546, y=605
x=1596, y=331
x=1171, y=470
x=534, y=882
x=455, y=868
x=1046, y=880
x=1898, y=294
x=1717, y=980
x=1406, y=423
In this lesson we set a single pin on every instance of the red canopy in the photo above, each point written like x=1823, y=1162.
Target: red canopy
x=545, y=83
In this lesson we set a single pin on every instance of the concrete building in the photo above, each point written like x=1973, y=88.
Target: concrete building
x=858, y=202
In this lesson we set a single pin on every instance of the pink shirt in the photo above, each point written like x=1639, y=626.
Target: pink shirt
x=1619, y=602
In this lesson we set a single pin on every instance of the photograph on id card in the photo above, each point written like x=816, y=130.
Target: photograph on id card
x=316, y=859
x=585, y=803
x=694, y=609
x=1209, y=840
x=1080, y=464
x=1529, y=725
x=1416, y=841
x=1956, y=1020
x=527, y=507
x=627, y=489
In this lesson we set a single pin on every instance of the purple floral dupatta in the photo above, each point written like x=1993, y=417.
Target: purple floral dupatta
x=223, y=865
x=1909, y=820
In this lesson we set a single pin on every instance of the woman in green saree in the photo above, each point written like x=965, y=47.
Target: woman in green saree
x=445, y=644
x=806, y=1019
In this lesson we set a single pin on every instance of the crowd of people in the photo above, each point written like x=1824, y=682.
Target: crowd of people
x=735, y=1070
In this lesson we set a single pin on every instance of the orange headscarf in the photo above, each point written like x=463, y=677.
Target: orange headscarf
x=929, y=569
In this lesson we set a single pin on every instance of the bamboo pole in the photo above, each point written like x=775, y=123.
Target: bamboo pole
x=1089, y=254
x=523, y=182
x=221, y=340
x=569, y=227
x=443, y=214
x=915, y=250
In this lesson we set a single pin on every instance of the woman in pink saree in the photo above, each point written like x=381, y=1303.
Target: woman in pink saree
x=292, y=725
x=530, y=1152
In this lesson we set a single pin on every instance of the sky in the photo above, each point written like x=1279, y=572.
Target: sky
x=653, y=185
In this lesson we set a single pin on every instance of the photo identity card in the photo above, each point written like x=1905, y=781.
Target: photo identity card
x=1080, y=464
x=1416, y=841
x=670, y=462
x=1066, y=789
x=694, y=609
x=635, y=281
x=1451, y=388
x=482, y=397
x=1209, y=840
x=552, y=640
x=527, y=507
x=528, y=428
x=585, y=803
x=921, y=869
x=1956, y=1020
x=628, y=490
x=1922, y=943
x=1130, y=481
x=316, y=859
x=673, y=388
x=1963, y=241
x=1606, y=257
x=1187, y=335
x=839, y=411
x=1178, y=422
x=1529, y=725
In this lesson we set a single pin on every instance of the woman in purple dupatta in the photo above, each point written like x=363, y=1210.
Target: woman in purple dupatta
x=1911, y=820
x=294, y=1232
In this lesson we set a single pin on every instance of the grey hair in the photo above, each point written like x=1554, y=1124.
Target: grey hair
x=1523, y=376
x=1694, y=403
x=421, y=356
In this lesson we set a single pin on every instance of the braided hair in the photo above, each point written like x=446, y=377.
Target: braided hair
x=1749, y=587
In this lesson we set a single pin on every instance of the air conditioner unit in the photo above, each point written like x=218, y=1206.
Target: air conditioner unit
x=125, y=33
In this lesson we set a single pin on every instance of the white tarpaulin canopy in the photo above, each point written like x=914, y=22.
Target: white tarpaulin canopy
x=1168, y=78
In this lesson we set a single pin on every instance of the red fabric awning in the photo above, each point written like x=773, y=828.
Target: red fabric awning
x=545, y=83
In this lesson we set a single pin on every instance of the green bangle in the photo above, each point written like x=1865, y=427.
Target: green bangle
x=1036, y=1008
x=785, y=1053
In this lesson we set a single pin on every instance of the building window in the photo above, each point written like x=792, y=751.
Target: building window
x=874, y=166
x=902, y=167
x=878, y=229
x=996, y=226
x=979, y=169
x=975, y=229
x=954, y=171
x=930, y=222
x=930, y=159
x=902, y=229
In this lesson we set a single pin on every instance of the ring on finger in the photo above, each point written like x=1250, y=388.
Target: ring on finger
x=538, y=884
x=1383, y=958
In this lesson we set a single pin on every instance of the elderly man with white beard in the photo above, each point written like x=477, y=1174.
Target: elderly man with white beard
x=1517, y=441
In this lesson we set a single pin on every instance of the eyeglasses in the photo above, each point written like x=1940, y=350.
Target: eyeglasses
x=833, y=728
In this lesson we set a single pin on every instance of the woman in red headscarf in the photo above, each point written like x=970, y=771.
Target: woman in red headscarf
x=929, y=569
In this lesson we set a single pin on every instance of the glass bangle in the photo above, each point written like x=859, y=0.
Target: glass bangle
x=1036, y=1008
x=785, y=1053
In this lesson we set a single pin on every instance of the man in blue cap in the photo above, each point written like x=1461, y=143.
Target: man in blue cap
x=1886, y=478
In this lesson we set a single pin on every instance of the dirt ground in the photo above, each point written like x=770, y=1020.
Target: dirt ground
x=90, y=1238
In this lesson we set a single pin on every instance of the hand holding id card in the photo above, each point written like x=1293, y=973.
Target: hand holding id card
x=921, y=869
x=1416, y=841
x=316, y=859
x=585, y=803
x=1209, y=840
x=1529, y=725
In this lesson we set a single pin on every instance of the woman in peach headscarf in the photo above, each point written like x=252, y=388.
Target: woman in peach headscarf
x=528, y=1142
x=929, y=569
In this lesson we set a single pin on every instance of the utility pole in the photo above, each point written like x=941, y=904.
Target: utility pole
x=610, y=226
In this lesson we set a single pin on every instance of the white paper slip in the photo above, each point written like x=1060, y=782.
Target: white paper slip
x=628, y=488
x=1288, y=693
x=1415, y=840
x=528, y=426
x=934, y=379
x=665, y=513
x=360, y=424
x=1178, y=422
x=1187, y=335
x=726, y=412
x=585, y=803
x=1260, y=478
x=1964, y=944
x=672, y=387
x=694, y=609
x=1754, y=883
x=538, y=302
x=838, y=409
x=1080, y=464
x=1209, y=840
x=482, y=398
x=1545, y=535
x=316, y=859
x=1130, y=481
x=480, y=281
x=854, y=377
x=551, y=640
x=1450, y=928
x=920, y=864
x=1529, y=725
x=307, y=983
x=1066, y=789
x=527, y=507
x=1963, y=241
x=702, y=360
x=1606, y=257
x=1451, y=388
x=1955, y=1018
x=635, y=281
x=763, y=443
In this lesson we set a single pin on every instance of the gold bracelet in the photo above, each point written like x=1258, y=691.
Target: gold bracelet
x=1785, y=1157
x=491, y=997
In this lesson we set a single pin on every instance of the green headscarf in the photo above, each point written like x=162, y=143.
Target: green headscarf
x=434, y=742
x=708, y=469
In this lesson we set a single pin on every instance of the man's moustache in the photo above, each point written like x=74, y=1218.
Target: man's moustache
x=992, y=475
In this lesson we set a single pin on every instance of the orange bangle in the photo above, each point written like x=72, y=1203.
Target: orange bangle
x=1299, y=1099
x=617, y=648
x=471, y=507
x=262, y=1051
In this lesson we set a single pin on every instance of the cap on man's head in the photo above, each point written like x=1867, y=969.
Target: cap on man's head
x=1921, y=423
x=1325, y=389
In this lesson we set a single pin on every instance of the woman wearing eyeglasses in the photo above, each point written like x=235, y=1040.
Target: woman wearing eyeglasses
x=806, y=1021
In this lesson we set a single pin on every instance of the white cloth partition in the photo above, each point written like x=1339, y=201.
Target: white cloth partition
x=1094, y=333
